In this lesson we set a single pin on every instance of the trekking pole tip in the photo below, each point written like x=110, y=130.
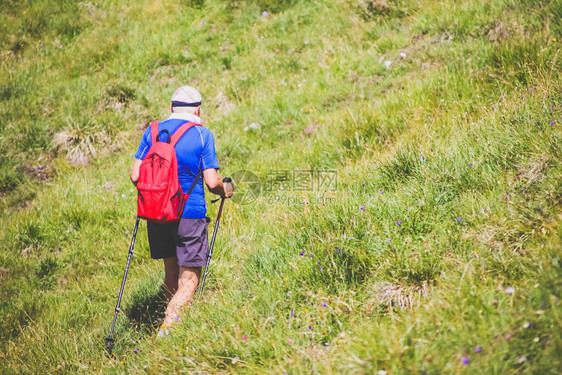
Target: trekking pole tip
x=108, y=345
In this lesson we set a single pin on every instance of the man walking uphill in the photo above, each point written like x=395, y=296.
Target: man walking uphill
x=183, y=245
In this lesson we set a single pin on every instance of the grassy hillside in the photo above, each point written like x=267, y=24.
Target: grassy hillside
x=437, y=252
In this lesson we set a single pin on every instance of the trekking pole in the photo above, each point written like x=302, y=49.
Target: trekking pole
x=210, y=254
x=109, y=340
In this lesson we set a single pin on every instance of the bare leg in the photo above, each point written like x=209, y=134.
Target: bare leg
x=171, y=274
x=187, y=283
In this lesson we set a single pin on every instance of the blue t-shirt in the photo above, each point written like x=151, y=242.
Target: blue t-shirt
x=195, y=152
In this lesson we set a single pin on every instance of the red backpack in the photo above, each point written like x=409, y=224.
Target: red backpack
x=160, y=197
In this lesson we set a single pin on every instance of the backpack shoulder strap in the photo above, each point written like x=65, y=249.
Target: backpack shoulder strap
x=178, y=133
x=154, y=131
x=194, y=182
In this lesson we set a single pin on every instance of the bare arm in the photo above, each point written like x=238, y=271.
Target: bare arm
x=215, y=185
x=135, y=171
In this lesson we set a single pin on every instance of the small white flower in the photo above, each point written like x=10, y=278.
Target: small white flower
x=521, y=359
x=253, y=125
x=536, y=339
x=382, y=372
x=402, y=55
x=527, y=325
x=387, y=64
x=510, y=290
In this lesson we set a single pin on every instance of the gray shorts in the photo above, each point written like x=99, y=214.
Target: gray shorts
x=186, y=239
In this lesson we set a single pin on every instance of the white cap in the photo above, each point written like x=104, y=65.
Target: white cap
x=186, y=96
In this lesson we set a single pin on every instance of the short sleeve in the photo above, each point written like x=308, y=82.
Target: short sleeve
x=144, y=145
x=209, y=156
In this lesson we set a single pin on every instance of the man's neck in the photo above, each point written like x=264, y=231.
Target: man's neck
x=187, y=116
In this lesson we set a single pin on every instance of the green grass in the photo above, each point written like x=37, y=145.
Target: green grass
x=461, y=132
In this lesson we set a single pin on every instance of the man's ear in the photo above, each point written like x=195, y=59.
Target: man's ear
x=171, y=108
x=197, y=111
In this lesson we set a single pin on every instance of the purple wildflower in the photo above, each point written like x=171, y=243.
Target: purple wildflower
x=265, y=14
x=290, y=341
x=244, y=338
x=177, y=318
x=318, y=262
x=362, y=208
x=321, y=268
x=465, y=360
x=338, y=250
x=323, y=304
x=398, y=223
x=478, y=350
x=550, y=107
x=530, y=90
x=310, y=328
x=41, y=45
x=60, y=46
x=507, y=336
x=301, y=253
x=292, y=313
x=552, y=122
x=137, y=351
x=470, y=164
x=388, y=240
x=148, y=76
x=431, y=150
x=459, y=219
x=202, y=22
x=310, y=255
x=362, y=184
x=382, y=191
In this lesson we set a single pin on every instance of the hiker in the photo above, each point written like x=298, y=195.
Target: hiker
x=183, y=245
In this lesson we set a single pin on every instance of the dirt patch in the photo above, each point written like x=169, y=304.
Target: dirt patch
x=40, y=172
x=498, y=32
x=534, y=171
x=143, y=126
x=316, y=353
x=311, y=128
x=222, y=104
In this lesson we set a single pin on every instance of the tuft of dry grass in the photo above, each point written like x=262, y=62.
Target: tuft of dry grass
x=386, y=295
x=79, y=142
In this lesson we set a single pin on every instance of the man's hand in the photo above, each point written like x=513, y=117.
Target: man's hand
x=228, y=187
x=135, y=171
x=216, y=185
